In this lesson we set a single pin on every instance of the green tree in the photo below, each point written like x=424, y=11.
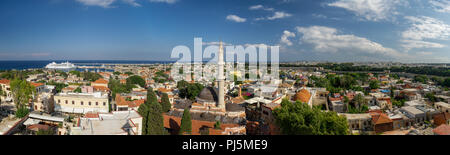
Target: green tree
x=398, y=103
x=155, y=124
x=58, y=86
x=186, y=124
x=431, y=97
x=359, y=100
x=189, y=90
x=22, y=112
x=91, y=76
x=217, y=125
x=151, y=111
x=299, y=119
x=374, y=84
x=143, y=110
x=22, y=92
x=165, y=103
x=421, y=78
x=151, y=96
x=446, y=82
x=117, y=73
x=132, y=80
x=78, y=90
x=77, y=73
x=116, y=87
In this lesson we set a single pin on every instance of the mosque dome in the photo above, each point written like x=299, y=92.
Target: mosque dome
x=208, y=94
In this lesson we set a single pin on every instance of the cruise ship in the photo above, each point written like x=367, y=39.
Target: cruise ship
x=64, y=65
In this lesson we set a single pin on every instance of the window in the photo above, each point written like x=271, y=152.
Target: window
x=73, y=102
x=59, y=101
x=89, y=102
x=66, y=101
x=96, y=103
x=104, y=103
x=81, y=102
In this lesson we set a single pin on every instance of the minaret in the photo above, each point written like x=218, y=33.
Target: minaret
x=220, y=79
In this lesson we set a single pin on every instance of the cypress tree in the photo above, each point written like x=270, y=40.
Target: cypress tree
x=151, y=96
x=155, y=120
x=143, y=111
x=165, y=103
x=186, y=124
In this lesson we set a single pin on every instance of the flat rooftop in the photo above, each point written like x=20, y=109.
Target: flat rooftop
x=443, y=104
x=7, y=123
x=83, y=95
x=358, y=116
x=107, y=124
x=412, y=110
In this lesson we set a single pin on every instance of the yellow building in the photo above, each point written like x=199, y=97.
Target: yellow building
x=81, y=103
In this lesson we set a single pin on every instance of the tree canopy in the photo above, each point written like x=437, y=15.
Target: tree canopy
x=132, y=80
x=165, y=103
x=186, y=124
x=299, y=119
x=189, y=90
x=22, y=92
x=151, y=111
x=374, y=84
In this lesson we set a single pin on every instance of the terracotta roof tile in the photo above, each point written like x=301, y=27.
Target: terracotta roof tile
x=442, y=130
x=5, y=81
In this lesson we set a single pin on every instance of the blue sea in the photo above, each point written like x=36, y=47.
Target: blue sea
x=20, y=65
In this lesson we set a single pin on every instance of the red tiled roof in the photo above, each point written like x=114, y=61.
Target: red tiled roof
x=136, y=103
x=120, y=101
x=38, y=127
x=380, y=118
x=101, y=81
x=163, y=90
x=36, y=84
x=442, y=130
x=101, y=88
x=91, y=115
x=5, y=81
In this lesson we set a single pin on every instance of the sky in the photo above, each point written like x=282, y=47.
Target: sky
x=306, y=30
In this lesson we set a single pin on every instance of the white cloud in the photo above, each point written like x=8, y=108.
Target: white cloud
x=411, y=44
x=132, y=3
x=426, y=28
x=371, y=10
x=100, y=3
x=285, y=37
x=279, y=15
x=319, y=16
x=260, y=7
x=164, y=1
x=236, y=18
x=425, y=53
x=326, y=39
x=441, y=5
